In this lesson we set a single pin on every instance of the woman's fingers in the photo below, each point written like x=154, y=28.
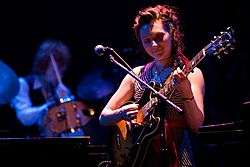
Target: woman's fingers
x=132, y=114
x=181, y=80
x=129, y=112
x=179, y=74
x=130, y=107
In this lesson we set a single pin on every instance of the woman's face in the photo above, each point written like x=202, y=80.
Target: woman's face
x=156, y=41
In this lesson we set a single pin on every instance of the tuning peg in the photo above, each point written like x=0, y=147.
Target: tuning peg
x=218, y=56
x=230, y=29
x=225, y=52
x=215, y=53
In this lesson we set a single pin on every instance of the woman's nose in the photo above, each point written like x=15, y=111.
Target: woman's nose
x=154, y=43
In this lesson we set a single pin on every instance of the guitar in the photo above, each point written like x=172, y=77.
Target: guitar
x=132, y=139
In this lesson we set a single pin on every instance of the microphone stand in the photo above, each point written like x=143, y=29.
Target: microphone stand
x=130, y=72
x=163, y=144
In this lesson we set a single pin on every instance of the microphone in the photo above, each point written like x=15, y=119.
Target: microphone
x=101, y=50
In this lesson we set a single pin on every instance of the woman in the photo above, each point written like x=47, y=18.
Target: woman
x=157, y=29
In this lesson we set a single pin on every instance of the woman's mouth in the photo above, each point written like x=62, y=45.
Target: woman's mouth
x=157, y=52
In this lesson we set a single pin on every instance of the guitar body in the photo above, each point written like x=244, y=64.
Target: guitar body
x=131, y=140
x=131, y=151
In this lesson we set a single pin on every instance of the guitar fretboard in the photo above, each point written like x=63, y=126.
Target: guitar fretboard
x=196, y=60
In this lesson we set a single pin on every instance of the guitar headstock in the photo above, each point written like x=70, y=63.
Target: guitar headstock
x=222, y=44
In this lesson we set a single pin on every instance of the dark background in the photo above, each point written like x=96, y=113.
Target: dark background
x=84, y=24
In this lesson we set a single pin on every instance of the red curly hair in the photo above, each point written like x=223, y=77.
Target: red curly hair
x=169, y=16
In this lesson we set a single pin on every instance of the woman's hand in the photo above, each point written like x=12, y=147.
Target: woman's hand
x=183, y=84
x=128, y=112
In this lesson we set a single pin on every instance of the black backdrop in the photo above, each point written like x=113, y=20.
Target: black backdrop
x=84, y=24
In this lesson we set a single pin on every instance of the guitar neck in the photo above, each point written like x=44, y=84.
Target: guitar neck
x=196, y=60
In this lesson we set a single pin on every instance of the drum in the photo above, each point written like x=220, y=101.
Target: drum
x=67, y=117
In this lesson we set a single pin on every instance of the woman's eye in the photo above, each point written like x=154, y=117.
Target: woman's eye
x=146, y=40
x=159, y=37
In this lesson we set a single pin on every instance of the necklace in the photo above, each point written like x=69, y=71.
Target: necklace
x=160, y=74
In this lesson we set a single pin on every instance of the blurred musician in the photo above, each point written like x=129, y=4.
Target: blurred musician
x=44, y=101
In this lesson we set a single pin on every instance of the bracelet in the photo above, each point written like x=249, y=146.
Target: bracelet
x=188, y=99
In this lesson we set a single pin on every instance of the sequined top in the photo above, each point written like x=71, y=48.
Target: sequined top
x=176, y=132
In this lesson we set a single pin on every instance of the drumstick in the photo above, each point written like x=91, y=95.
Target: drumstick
x=55, y=68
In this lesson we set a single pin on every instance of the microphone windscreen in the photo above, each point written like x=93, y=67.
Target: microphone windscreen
x=99, y=49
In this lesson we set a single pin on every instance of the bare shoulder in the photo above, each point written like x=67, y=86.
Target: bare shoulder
x=196, y=74
x=196, y=77
x=125, y=90
x=136, y=70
